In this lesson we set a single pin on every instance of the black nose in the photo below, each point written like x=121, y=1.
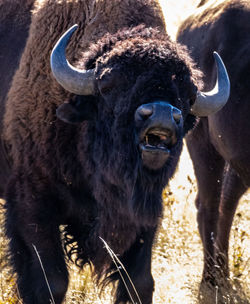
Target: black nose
x=159, y=114
x=144, y=112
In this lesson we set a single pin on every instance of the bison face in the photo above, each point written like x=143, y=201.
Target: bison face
x=145, y=92
x=139, y=112
x=142, y=108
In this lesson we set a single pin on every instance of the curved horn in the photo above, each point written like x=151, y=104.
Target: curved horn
x=74, y=80
x=211, y=102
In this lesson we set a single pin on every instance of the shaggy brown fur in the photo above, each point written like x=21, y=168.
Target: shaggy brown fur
x=15, y=18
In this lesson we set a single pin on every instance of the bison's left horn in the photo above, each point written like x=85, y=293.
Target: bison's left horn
x=211, y=102
x=74, y=80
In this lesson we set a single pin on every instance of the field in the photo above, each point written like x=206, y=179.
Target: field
x=177, y=260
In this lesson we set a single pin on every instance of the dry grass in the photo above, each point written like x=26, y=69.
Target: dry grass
x=177, y=259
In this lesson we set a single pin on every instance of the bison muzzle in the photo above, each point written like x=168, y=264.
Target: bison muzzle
x=159, y=126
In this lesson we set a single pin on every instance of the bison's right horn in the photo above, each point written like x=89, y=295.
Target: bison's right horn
x=210, y=102
x=74, y=80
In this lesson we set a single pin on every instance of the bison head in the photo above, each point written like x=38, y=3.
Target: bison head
x=142, y=87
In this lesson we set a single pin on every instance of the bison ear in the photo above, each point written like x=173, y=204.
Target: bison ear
x=68, y=113
x=75, y=111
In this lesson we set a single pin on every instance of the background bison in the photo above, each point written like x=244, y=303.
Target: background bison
x=15, y=17
x=219, y=145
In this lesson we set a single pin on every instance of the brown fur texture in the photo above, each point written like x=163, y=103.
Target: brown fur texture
x=15, y=18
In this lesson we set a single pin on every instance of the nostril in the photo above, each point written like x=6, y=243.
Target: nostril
x=177, y=115
x=144, y=112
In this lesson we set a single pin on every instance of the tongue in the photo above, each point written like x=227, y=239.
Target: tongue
x=163, y=137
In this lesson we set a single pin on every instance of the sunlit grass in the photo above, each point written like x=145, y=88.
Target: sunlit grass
x=176, y=11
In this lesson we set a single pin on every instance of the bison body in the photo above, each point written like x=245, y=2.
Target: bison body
x=15, y=18
x=219, y=145
x=93, y=154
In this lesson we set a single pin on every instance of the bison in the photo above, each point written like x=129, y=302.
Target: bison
x=92, y=143
x=219, y=144
x=15, y=17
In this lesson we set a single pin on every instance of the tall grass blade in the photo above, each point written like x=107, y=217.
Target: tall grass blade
x=216, y=294
x=44, y=273
x=117, y=261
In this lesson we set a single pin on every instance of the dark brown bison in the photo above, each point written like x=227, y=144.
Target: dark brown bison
x=219, y=145
x=15, y=18
x=91, y=147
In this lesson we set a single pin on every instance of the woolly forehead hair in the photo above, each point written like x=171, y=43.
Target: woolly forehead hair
x=138, y=49
x=108, y=42
x=148, y=54
x=144, y=45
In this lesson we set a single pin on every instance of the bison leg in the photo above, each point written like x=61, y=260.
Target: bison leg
x=137, y=262
x=31, y=280
x=233, y=189
x=30, y=223
x=208, y=167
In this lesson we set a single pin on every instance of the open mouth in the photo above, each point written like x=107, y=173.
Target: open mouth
x=156, y=140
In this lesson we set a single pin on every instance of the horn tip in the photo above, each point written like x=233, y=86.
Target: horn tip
x=216, y=55
x=73, y=27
